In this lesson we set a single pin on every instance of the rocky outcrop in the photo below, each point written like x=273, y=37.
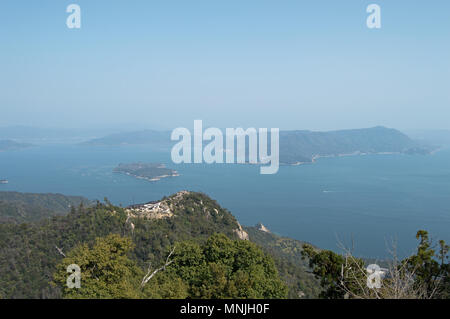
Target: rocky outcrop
x=156, y=210
x=262, y=228
x=241, y=233
x=173, y=205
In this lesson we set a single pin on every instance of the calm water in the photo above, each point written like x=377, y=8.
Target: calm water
x=372, y=199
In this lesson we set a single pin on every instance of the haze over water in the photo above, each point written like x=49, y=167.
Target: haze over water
x=374, y=198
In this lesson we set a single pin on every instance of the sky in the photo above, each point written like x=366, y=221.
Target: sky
x=252, y=63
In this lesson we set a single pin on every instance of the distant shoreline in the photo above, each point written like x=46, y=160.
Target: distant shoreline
x=317, y=157
x=151, y=179
x=151, y=172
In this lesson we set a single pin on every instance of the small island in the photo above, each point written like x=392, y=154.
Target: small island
x=9, y=145
x=149, y=171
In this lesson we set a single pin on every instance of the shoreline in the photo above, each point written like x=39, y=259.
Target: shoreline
x=317, y=157
x=151, y=179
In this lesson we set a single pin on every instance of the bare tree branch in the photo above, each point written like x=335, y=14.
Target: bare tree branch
x=60, y=251
x=399, y=281
x=151, y=274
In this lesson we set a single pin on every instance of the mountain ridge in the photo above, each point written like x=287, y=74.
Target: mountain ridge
x=29, y=207
x=300, y=146
x=24, y=271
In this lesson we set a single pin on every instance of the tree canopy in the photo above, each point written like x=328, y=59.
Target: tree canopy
x=219, y=268
x=426, y=274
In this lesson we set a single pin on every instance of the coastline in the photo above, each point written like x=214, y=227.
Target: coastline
x=151, y=179
x=357, y=153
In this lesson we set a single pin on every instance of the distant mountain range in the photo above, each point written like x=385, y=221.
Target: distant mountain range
x=7, y=145
x=305, y=146
x=148, y=137
x=300, y=146
x=440, y=137
x=38, y=135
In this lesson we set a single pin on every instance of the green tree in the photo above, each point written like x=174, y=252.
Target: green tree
x=225, y=268
x=338, y=275
x=418, y=276
x=106, y=270
x=428, y=272
x=220, y=268
x=166, y=285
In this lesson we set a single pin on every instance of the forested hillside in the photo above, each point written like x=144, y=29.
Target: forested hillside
x=187, y=246
x=293, y=268
x=304, y=146
x=27, y=207
x=31, y=252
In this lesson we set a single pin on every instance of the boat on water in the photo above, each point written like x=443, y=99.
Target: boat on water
x=3, y=181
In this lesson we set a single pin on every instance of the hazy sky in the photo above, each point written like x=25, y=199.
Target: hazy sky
x=288, y=64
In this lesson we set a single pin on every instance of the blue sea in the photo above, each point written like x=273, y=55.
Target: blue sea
x=370, y=201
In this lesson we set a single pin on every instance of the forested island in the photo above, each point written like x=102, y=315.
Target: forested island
x=148, y=171
x=298, y=147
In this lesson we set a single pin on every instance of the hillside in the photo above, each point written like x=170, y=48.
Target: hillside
x=437, y=137
x=291, y=266
x=148, y=137
x=304, y=146
x=30, y=252
x=301, y=146
x=27, y=207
